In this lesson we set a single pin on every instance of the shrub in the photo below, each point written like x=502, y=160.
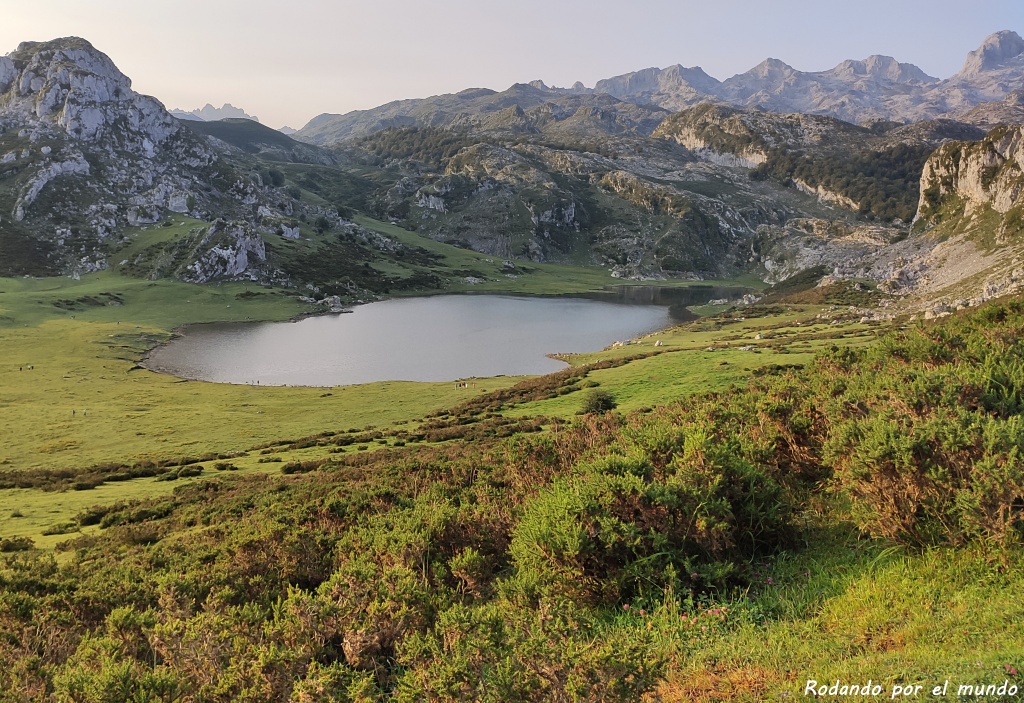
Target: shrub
x=16, y=544
x=61, y=528
x=93, y=515
x=598, y=401
x=947, y=478
x=302, y=467
x=613, y=531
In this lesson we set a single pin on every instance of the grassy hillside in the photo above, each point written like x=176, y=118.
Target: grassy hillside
x=75, y=401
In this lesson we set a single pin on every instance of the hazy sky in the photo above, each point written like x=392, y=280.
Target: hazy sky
x=289, y=61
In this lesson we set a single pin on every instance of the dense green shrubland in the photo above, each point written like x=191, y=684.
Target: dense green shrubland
x=424, y=144
x=521, y=568
x=884, y=183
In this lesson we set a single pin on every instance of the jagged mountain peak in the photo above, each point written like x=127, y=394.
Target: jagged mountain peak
x=994, y=52
x=770, y=67
x=694, y=76
x=66, y=51
x=880, y=67
x=69, y=84
x=673, y=87
x=878, y=87
x=226, y=111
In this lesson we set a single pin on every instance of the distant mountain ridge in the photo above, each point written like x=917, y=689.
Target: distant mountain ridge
x=209, y=113
x=472, y=108
x=856, y=91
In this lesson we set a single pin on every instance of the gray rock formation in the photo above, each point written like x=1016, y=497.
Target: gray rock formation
x=875, y=88
x=229, y=250
x=968, y=176
x=1009, y=110
x=996, y=52
x=69, y=85
x=86, y=159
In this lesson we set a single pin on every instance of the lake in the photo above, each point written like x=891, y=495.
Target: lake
x=436, y=338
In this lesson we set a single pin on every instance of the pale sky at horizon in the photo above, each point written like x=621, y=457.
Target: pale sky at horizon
x=288, y=62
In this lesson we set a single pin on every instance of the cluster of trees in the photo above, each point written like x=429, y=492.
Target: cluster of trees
x=884, y=183
x=519, y=569
x=428, y=145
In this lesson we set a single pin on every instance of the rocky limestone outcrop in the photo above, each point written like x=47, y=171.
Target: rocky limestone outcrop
x=73, y=164
x=86, y=162
x=745, y=137
x=969, y=175
x=226, y=250
x=824, y=195
x=1009, y=110
x=70, y=84
x=104, y=156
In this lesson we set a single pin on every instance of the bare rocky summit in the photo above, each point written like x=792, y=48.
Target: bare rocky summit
x=85, y=161
x=856, y=91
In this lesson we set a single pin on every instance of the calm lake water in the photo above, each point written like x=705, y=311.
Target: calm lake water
x=438, y=338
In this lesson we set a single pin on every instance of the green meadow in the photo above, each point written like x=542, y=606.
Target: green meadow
x=74, y=396
x=761, y=509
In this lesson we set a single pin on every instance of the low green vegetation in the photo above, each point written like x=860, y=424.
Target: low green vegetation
x=74, y=395
x=883, y=183
x=857, y=513
x=424, y=144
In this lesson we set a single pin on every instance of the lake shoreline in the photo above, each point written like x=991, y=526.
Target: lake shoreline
x=428, y=339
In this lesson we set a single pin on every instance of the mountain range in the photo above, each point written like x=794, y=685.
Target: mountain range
x=870, y=170
x=876, y=88
x=209, y=113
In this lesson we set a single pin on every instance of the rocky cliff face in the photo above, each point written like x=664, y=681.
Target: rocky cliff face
x=961, y=177
x=229, y=250
x=871, y=169
x=69, y=85
x=999, y=50
x=673, y=88
x=84, y=158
